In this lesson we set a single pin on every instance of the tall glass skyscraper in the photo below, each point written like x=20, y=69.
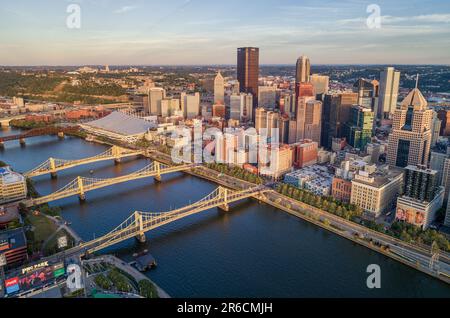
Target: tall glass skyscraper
x=248, y=72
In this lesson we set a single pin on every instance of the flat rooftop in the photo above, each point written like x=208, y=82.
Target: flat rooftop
x=122, y=124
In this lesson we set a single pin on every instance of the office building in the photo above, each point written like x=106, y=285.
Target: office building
x=219, y=89
x=13, y=186
x=367, y=93
x=267, y=97
x=309, y=119
x=218, y=110
x=410, y=140
x=336, y=113
x=248, y=72
x=388, y=99
x=303, y=70
x=321, y=84
x=155, y=96
x=444, y=117
x=305, y=153
x=358, y=130
x=190, y=105
x=280, y=162
x=376, y=193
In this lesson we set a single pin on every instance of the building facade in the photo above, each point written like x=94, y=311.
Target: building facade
x=410, y=140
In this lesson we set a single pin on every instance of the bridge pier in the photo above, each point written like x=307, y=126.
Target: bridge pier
x=61, y=135
x=224, y=208
x=2, y=145
x=141, y=238
x=22, y=141
x=117, y=161
x=53, y=175
x=82, y=197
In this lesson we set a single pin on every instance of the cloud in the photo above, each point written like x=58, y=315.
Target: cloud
x=125, y=9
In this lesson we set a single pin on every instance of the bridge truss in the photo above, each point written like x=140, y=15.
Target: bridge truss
x=141, y=222
x=81, y=185
x=53, y=165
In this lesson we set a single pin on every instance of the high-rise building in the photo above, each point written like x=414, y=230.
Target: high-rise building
x=444, y=116
x=190, y=105
x=289, y=105
x=219, y=89
x=436, y=129
x=410, y=140
x=303, y=70
x=321, y=84
x=422, y=198
x=248, y=72
x=421, y=183
x=219, y=110
x=367, y=93
x=358, y=130
x=267, y=97
x=336, y=112
x=260, y=119
x=389, y=86
x=305, y=90
x=155, y=96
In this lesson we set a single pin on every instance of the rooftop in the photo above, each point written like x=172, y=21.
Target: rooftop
x=122, y=124
x=8, y=176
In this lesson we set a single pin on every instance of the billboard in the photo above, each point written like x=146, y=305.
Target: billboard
x=12, y=285
x=35, y=277
x=411, y=216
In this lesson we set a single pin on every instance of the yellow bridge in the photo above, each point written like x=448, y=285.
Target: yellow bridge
x=81, y=185
x=53, y=165
x=141, y=222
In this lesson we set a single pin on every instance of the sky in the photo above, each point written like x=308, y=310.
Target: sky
x=188, y=32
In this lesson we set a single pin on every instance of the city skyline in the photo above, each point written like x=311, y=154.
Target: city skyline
x=197, y=32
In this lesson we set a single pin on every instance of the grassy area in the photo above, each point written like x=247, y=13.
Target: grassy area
x=43, y=228
x=52, y=245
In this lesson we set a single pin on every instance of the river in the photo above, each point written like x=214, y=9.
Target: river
x=254, y=250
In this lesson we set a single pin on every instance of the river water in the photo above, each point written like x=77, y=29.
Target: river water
x=252, y=251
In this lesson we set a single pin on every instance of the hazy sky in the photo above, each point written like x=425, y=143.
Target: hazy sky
x=209, y=31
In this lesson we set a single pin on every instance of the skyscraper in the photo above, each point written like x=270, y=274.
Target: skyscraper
x=410, y=140
x=358, y=130
x=248, y=72
x=219, y=89
x=336, y=112
x=190, y=105
x=367, y=93
x=309, y=119
x=155, y=96
x=389, y=86
x=321, y=84
x=303, y=68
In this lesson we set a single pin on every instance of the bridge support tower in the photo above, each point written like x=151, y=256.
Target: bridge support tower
x=82, y=195
x=140, y=225
x=116, y=152
x=158, y=171
x=53, y=168
x=225, y=207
